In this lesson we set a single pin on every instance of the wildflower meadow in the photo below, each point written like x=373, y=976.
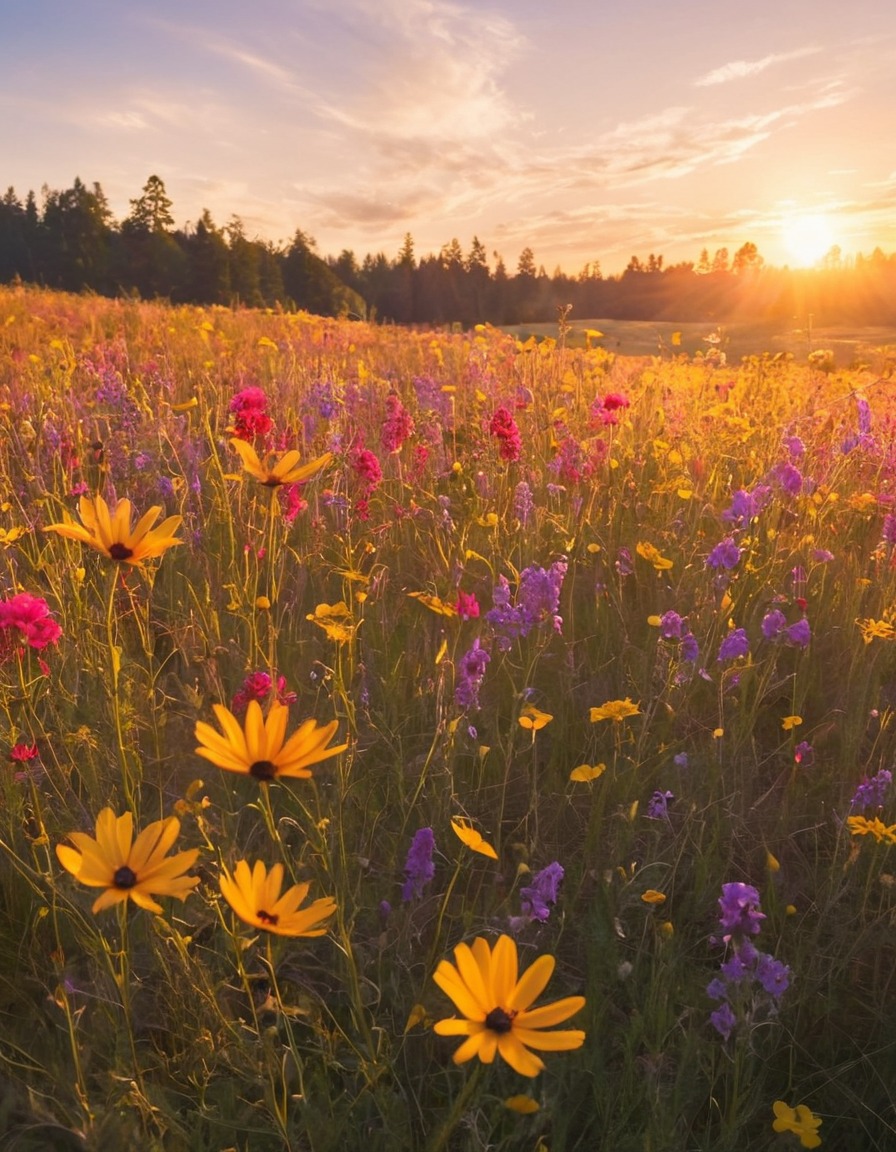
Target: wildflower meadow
x=438, y=741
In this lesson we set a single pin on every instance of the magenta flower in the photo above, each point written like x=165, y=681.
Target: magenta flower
x=30, y=615
x=397, y=426
x=250, y=418
x=503, y=427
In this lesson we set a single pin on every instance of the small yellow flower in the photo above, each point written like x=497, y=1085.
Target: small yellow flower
x=652, y=555
x=262, y=750
x=651, y=896
x=615, y=710
x=801, y=1121
x=255, y=897
x=586, y=772
x=494, y=1002
x=882, y=833
x=524, y=1105
x=262, y=603
x=129, y=869
x=473, y=839
x=876, y=630
x=791, y=722
x=285, y=469
x=336, y=620
x=532, y=719
x=110, y=532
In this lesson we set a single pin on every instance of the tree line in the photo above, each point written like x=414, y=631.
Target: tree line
x=71, y=241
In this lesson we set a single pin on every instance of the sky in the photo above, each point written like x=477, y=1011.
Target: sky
x=584, y=130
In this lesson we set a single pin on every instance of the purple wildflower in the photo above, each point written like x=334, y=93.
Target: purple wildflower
x=799, y=634
x=788, y=477
x=725, y=555
x=670, y=626
x=746, y=505
x=470, y=674
x=734, y=645
x=872, y=792
x=690, y=649
x=537, y=897
x=740, y=914
x=523, y=504
x=419, y=867
x=772, y=975
x=773, y=624
x=723, y=1020
x=658, y=805
x=538, y=601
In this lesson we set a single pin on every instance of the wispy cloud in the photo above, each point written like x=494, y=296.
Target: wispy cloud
x=742, y=69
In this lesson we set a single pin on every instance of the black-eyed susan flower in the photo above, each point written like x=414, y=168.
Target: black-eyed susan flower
x=110, y=533
x=494, y=1001
x=255, y=896
x=129, y=869
x=261, y=749
x=274, y=471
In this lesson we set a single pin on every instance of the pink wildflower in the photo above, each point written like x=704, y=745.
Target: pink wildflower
x=467, y=606
x=503, y=427
x=258, y=686
x=367, y=468
x=606, y=411
x=397, y=426
x=20, y=753
x=31, y=616
x=250, y=418
x=291, y=501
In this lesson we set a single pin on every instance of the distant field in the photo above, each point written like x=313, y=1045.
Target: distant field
x=647, y=337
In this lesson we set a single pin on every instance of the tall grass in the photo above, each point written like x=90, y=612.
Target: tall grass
x=192, y=1031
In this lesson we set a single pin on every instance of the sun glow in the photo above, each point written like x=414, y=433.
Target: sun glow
x=807, y=238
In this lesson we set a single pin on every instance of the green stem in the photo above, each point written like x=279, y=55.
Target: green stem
x=442, y=1135
x=129, y=786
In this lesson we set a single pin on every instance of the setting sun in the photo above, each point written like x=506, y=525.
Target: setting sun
x=807, y=238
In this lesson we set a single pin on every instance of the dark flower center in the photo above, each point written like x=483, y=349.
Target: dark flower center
x=119, y=551
x=267, y=917
x=272, y=482
x=499, y=1021
x=263, y=770
x=124, y=877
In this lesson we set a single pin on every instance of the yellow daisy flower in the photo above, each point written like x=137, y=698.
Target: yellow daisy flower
x=284, y=469
x=262, y=750
x=255, y=896
x=495, y=1005
x=129, y=869
x=109, y=532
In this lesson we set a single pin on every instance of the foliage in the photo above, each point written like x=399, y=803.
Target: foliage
x=618, y=695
